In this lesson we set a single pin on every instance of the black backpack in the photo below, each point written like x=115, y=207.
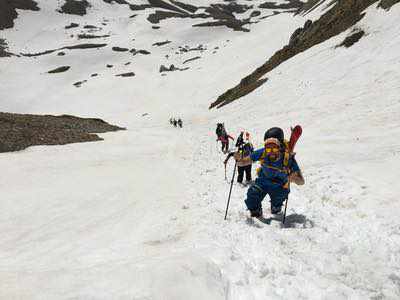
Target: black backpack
x=220, y=131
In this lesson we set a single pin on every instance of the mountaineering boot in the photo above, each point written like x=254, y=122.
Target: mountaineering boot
x=256, y=213
x=276, y=209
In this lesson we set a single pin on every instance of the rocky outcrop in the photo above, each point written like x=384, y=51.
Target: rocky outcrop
x=343, y=15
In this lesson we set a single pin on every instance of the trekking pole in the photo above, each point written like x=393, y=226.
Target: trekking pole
x=225, y=172
x=230, y=191
x=287, y=199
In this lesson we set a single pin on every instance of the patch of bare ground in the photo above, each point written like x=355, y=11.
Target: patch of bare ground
x=8, y=11
x=75, y=7
x=19, y=131
x=343, y=15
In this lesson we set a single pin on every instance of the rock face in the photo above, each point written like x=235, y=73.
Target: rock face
x=343, y=15
x=18, y=131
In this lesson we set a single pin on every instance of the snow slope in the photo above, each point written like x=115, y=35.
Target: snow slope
x=140, y=215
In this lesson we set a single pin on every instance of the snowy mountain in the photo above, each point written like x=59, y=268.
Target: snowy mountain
x=139, y=215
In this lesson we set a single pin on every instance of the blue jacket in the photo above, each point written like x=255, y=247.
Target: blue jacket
x=273, y=172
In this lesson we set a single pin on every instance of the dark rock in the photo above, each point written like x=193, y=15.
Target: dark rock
x=116, y=1
x=80, y=46
x=85, y=46
x=163, y=69
x=17, y=131
x=155, y=27
x=94, y=75
x=59, y=70
x=160, y=15
x=79, y=83
x=109, y=66
x=119, y=49
x=387, y=4
x=352, y=39
x=92, y=36
x=139, y=7
x=185, y=6
x=290, y=4
x=74, y=7
x=171, y=68
x=61, y=53
x=144, y=52
x=191, y=59
x=128, y=74
x=161, y=43
x=72, y=25
x=90, y=27
x=165, y=5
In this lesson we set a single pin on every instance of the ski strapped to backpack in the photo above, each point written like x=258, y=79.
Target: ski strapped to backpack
x=294, y=137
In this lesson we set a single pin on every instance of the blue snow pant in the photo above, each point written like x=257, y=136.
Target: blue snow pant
x=257, y=192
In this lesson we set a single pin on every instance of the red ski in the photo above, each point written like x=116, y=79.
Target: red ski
x=294, y=136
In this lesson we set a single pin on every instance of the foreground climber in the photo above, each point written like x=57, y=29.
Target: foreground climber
x=278, y=167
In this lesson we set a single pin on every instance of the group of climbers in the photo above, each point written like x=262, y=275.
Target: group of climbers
x=278, y=168
x=175, y=122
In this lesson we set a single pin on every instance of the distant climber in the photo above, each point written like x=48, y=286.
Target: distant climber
x=240, y=141
x=175, y=122
x=223, y=137
x=180, y=123
x=245, y=148
x=278, y=167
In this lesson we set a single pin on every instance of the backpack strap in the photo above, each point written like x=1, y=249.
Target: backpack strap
x=286, y=154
